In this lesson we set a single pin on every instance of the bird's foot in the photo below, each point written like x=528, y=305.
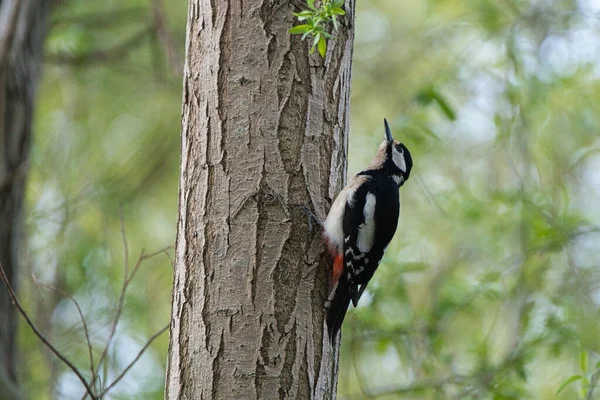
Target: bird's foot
x=311, y=216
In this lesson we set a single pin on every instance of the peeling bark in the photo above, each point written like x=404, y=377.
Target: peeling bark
x=264, y=129
x=22, y=32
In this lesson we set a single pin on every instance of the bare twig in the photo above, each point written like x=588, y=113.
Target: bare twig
x=126, y=282
x=81, y=316
x=169, y=257
x=125, y=246
x=21, y=310
x=135, y=360
x=115, y=322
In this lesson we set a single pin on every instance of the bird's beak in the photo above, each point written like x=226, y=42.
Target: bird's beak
x=388, y=132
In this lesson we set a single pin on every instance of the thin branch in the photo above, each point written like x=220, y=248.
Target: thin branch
x=125, y=246
x=593, y=384
x=115, y=322
x=430, y=384
x=19, y=307
x=100, y=19
x=9, y=14
x=100, y=56
x=169, y=257
x=174, y=58
x=163, y=250
x=81, y=316
x=126, y=282
x=135, y=360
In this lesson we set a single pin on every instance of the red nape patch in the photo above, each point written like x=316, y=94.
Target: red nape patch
x=338, y=267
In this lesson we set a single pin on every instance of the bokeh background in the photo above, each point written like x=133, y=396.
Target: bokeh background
x=491, y=287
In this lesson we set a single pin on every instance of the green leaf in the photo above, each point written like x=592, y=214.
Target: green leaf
x=338, y=3
x=335, y=23
x=596, y=368
x=520, y=369
x=338, y=11
x=299, y=29
x=445, y=106
x=568, y=381
x=316, y=40
x=322, y=46
x=427, y=95
x=583, y=361
x=415, y=266
x=311, y=4
x=304, y=13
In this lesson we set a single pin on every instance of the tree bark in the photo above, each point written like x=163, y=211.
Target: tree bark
x=264, y=130
x=22, y=32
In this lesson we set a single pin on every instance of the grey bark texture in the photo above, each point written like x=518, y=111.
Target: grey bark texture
x=264, y=130
x=22, y=32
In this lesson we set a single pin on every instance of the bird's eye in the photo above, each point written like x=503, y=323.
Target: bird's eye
x=400, y=149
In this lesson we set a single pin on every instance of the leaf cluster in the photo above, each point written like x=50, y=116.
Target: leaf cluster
x=588, y=381
x=315, y=23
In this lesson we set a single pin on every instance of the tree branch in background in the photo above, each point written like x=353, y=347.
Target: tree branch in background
x=9, y=14
x=126, y=281
x=135, y=360
x=593, y=384
x=174, y=57
x=81, y=316
x=100, y=19
x=58, y=354
x=127, y=278
x=101, y=56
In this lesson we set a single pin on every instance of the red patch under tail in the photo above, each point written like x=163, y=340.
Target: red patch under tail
x=338, y=267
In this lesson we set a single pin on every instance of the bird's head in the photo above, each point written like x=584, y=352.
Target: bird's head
x=393, y=158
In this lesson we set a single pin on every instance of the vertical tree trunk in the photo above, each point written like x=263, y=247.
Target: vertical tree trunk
x=22, y=32
x=264, y=130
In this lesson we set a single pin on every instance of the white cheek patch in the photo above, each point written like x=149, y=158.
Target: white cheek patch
x=367, y=232
x=398, y=159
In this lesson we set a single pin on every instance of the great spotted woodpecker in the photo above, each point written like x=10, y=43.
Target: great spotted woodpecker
x=360, y=225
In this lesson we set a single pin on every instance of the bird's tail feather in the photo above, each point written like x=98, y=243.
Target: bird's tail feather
x=338, y=303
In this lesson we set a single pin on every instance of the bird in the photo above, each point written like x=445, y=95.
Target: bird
x=361, y=223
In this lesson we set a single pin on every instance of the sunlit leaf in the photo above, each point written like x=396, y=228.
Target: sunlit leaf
x=299, y=29
x=322, y=46
x=566, y=383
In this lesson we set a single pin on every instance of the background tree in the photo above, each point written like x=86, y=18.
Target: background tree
x=22, y=32
x=490, y=288
x=264, y=131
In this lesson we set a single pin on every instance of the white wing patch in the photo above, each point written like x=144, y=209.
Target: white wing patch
x=398, y=179
x=334, y=223
x=398, y=159
x=367, y=232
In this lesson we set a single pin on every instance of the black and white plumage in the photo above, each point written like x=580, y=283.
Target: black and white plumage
x=361, y=223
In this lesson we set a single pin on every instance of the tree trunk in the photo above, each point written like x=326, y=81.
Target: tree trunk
x=22, y=32
x=264, y=130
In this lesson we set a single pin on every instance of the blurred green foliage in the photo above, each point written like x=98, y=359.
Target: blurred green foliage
x=106, y=136
x=491, y=287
